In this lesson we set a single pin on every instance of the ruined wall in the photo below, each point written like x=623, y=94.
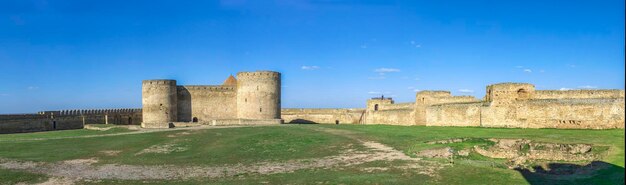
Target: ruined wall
x=258, y=95
x=558, y=113
x=159, y=100
x=206, y=103
x=342, y=116
x=454, y=114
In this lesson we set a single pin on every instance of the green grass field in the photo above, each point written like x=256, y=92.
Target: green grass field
x=284, y=144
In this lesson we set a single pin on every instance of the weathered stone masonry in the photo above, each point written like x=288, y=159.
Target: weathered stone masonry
x=516, y=105
x=252, y=98
x=67, y=119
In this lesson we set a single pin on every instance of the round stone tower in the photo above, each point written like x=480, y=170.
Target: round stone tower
x=159, y=101
x=258, y=95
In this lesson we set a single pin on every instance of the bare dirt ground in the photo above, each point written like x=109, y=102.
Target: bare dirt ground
x=84, y=169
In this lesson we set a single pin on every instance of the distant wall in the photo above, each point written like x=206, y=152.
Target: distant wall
x=350, y=116
x=206, y=103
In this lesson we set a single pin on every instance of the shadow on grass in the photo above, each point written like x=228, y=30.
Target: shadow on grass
x=301, y=121
x=596, y=172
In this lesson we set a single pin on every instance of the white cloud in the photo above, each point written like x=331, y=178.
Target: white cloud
x=571, y=65
x=565, y=89
x=374, y=92
x=541, y=71
x=310, y=67
x=519, y=67
x=32, y=88
x=416, y=90
x=418, y=46
x=587, y=87
x=410, y=87
x=467, y=91
x=386, y=70
x=528, y=70
x=364, y=46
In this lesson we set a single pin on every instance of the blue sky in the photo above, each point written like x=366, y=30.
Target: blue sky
x=75, y=54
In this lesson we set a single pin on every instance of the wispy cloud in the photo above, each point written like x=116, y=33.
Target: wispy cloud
x=386, y=70
x=310, y=67
x=374, y=92
x=32, y=88
x=587, y=87
x=466, y=91
x=519, y=67
x=4, y=94
x=528, y=70
x=572, y=65
x=364, y=46
x=565, y=89
x=416, y=90
x=415, y=44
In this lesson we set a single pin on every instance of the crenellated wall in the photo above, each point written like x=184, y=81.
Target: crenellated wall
x=67, y=119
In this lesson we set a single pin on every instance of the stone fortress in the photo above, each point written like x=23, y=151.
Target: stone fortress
x=252, y=98
x=255, y=98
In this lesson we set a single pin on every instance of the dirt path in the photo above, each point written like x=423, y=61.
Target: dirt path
x=85, y=169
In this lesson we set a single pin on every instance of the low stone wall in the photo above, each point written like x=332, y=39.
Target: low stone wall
x=332, y=116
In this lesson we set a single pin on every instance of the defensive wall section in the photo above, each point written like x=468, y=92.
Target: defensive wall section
x=519, y=105
x=67, y=119
x=511, y=105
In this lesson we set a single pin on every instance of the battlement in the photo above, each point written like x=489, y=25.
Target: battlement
x=89, y=112
x=159, y=82
x=207, y=87
x=259, y=74
x=434, y=93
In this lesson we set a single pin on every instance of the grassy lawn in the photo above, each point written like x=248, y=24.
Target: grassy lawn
x=248, y=145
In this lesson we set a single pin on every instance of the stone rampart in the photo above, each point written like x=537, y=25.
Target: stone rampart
x=332, y=116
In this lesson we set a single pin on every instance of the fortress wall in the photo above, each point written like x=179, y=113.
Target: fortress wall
x=460, y=114
x=424, y=99
x=391, y=117
x=20, y=123
x=206, y=103
x=225, y=122
x=561, y=113
x=352, y=116
x=573, y=114
x=557, y=94
x=396, y=106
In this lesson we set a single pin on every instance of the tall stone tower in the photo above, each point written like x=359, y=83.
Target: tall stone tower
x=258, y=95
x=159, y=101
